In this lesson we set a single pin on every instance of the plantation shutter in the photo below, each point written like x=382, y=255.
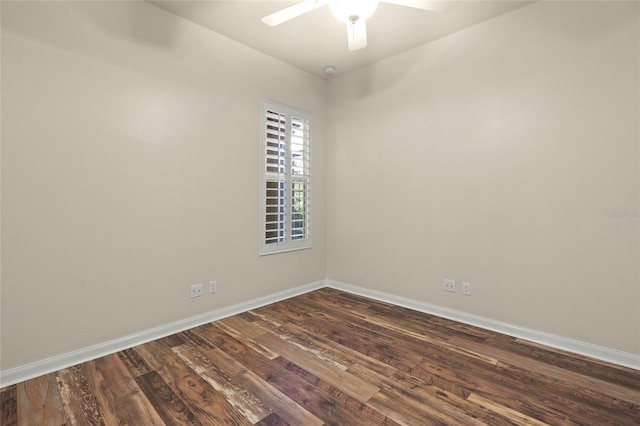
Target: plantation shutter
x=286, y=183
x=275, y=158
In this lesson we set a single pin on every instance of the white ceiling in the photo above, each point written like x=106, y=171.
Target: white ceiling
x=316, y=39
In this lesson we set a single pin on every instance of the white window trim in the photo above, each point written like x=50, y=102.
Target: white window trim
x=288, y=243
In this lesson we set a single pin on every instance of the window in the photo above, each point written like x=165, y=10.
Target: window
x=286, y=179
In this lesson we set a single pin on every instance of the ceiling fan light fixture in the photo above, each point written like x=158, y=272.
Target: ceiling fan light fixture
x=349, y=11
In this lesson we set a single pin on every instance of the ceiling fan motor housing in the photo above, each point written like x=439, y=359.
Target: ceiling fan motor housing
x=350, y=11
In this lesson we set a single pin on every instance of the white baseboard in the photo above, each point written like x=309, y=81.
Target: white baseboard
x=50, y=365
x=578, y=347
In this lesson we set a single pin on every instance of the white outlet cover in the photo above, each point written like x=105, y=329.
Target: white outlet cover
x=450, y=285
x=196, y=290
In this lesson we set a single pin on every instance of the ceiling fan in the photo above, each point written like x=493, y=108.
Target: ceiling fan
x=352, y=12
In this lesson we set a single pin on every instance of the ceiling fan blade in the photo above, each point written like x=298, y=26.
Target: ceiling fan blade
x=431, y=5
x=357, y=34
x=294, y=11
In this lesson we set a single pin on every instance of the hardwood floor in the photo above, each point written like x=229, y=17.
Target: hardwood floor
x=329, y=357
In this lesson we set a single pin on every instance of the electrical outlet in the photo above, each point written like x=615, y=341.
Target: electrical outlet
x=213, y=286
x=196, y=290
x=466, y=289
x=450, y=285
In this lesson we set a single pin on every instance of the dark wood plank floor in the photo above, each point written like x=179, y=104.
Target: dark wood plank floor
x=329, y=357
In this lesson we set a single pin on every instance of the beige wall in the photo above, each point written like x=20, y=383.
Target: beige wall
x=491, y=156
x=130, y=150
